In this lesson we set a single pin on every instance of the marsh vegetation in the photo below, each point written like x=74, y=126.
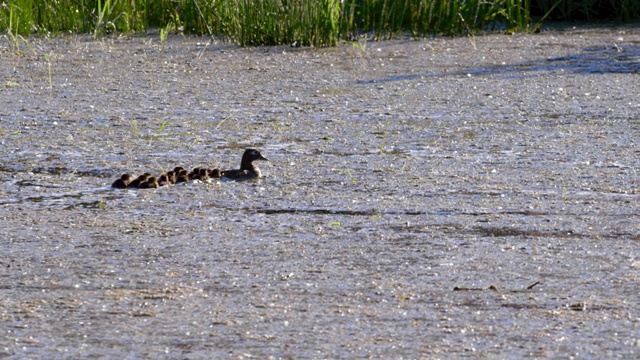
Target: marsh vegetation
x=318, y=23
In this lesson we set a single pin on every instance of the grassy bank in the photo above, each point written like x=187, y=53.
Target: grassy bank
x=268, y=22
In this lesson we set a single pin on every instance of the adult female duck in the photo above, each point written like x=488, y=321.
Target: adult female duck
x=248, y=170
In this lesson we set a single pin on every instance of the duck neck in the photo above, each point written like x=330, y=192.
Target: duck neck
x=251, y=168
x=247, y=164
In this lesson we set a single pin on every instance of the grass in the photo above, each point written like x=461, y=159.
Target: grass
x=591, y=10
x=14, y=28
x=104, y=19
x=351, y=177
x=134, y=128
x=48, y=57
x=164, y=32
x=296, y=22
x=160, y=129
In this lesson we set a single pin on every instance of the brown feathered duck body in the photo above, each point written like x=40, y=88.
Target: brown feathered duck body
x=247, y=171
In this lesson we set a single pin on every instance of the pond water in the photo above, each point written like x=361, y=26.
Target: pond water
x=471, y=197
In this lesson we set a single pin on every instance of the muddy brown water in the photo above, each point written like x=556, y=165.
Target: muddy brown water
x=472, y=197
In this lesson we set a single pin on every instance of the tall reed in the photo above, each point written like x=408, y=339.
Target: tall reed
x=304, y=22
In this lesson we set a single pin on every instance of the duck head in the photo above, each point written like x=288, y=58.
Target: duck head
x=249, y=156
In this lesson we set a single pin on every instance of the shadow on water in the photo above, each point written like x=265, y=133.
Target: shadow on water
x=71, y=199
x=57, y=170
x=603, y=59
x=374, y=212
x=592, y=60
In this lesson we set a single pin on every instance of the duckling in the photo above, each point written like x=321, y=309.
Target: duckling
x=171, y=177
x=183, y=176
x=177, y=169
x=214, y=173
x=140, y=179
x=247, y=169
x=195, y=174
x=163, y=180
x=151, y=182
x=122, y=182
x=203, y=174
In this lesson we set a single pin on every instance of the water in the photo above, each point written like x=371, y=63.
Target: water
x=434, y=198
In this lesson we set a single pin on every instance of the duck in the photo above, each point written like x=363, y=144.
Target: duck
x=203, y=174
x=247, y=169
x=182, y=176
x=171, y=177
x=150, y=183
x=195, y=174
x=214, y=173
x=122, y=182
x=140, y=179
x=163, y=180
